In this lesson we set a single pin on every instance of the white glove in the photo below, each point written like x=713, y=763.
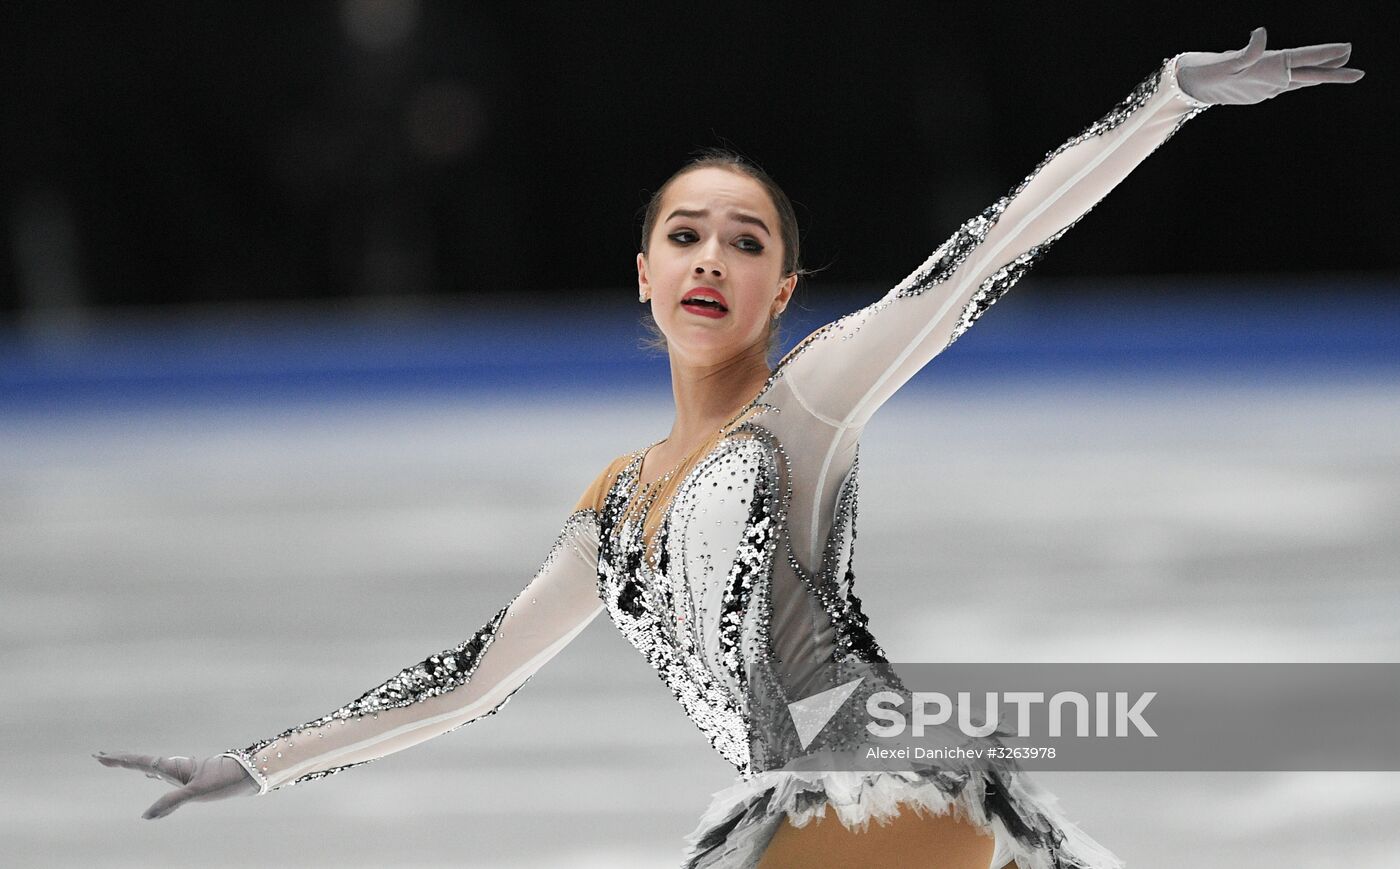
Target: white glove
x=210, y=778
x=1251, y=74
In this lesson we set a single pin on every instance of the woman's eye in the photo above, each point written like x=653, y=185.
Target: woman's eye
x=682, y=236
x=753, y=245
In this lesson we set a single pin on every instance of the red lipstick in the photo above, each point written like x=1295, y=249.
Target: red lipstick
x=705, y=301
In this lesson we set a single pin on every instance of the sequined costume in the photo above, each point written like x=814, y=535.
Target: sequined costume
x=733, y=574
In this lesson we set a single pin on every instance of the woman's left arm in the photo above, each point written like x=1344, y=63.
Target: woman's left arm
x=847, y=369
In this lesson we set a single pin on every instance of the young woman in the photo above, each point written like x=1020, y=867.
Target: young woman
x=723, y=551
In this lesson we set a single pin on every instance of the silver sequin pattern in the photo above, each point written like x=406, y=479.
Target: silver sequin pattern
x=660, y=608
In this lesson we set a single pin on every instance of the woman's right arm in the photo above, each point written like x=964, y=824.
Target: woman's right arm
x=453, y=687
x=440, y=693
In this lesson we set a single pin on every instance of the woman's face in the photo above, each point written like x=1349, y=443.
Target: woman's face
x=713, y=271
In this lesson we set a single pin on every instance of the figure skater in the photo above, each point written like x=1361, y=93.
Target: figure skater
x=723, y=551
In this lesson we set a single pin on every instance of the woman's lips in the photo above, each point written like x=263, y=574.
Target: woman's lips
x=704, y=310
x=705, y=301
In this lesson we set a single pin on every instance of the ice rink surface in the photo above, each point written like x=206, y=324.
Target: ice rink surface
x=183, y=579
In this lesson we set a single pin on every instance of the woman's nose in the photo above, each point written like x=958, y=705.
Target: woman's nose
x=710, y=265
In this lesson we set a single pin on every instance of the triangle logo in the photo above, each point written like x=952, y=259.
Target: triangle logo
x=811, y=714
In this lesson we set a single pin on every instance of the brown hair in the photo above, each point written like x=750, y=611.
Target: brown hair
x=725, y=158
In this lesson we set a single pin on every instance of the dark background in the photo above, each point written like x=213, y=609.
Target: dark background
x=172, y=152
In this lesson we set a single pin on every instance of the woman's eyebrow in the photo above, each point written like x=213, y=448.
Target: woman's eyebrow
x=736, y=215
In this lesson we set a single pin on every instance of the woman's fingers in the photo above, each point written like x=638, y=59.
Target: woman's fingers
x=168, y=803
x=1313, y=75
x=1331, y=54
x=140, y=762
x=172, y=770
x=1251, y=53
x=1320, y=64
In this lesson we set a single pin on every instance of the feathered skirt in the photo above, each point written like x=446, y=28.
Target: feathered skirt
x=1025, y=820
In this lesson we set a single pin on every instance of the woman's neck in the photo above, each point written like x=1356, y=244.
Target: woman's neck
x=708, y=396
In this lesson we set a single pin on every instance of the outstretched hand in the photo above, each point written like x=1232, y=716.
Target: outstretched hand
x=1251, y=74
x=210, y=778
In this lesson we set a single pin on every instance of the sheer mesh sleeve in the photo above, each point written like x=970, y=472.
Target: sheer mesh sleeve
x=845, y=370
x=453, y=687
